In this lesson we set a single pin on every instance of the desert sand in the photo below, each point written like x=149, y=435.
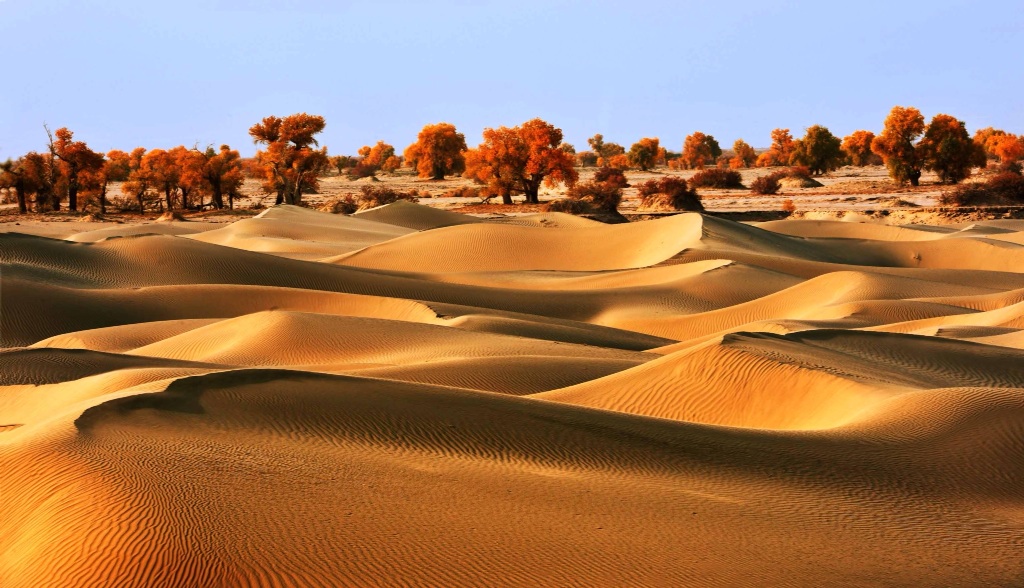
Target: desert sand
x=413, y=397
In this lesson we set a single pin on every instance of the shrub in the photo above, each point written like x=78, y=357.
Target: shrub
x=788, y=206
x=602, y=195
x=717, y=178
x=569, y=206
x=344, y=205
x=669, y=192
x=360, y=170
x=463, y=192
x=611, y=175
x=799, y=172
x=766, y=185
x=374, y=196
x=619, y=162
x=1000, y=189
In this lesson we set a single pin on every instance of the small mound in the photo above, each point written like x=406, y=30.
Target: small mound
x=415, y=216
x=171, y=216
x=799, y=182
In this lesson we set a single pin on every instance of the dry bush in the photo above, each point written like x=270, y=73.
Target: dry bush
x=569, y=206
x=788, y=206
x=798, y=172
x=374, y=196
x=123, y=204
x=465, y=192
x=611, y=175
x=344, y=205
x=1001, y=189
x=669, y=192
x=766, y=185
x=602, y=195
x=717, y=178
x=361, y=169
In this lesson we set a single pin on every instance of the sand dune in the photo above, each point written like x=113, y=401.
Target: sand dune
x=409, y=397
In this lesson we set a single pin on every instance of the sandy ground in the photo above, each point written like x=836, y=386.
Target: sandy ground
x=414, y=397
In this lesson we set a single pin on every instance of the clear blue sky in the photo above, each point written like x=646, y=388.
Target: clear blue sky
x=157, y=74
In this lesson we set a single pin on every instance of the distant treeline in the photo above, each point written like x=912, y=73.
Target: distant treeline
x=508, y=162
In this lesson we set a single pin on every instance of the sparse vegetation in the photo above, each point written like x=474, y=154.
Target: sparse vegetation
x=766, y=185
x=671, y=193
x=717, y=178
x=376, y=195
x=1003, y=189
x=604, y=192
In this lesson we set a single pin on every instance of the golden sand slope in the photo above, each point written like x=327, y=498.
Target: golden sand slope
x=409, y=397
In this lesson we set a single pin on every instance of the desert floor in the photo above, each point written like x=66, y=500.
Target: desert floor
x=410, y=396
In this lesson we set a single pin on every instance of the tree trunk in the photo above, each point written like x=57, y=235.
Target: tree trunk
x=167, y=192
x=73, y=194
x=19, y=189
x=506, y=198
x=531, y=193
x=915, y=177
x=217, y=196
x=103, y=198
x=141, y=198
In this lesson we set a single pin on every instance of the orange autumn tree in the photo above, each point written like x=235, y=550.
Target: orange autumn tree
x=139, y=182
x=518, y=160
x=380, y=157
x=191, y=180
x=290, y=165
x=1009, y=148
x=896, y=144
x=781, y=150
x=947, y=149
x=75, y=160
x=983, y=137
x=222, y=175
x=744, y=155
x=160, y=168
x=699, y=150
x=644, y=153
x=439, y=151
x=16, y=174
x=116, y=168
x=857, y=146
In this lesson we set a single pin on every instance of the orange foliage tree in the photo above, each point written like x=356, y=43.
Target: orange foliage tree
x=605, y=151
x=1007, y=147
x=95, y=182
x=374, y=159
x=222, y=175
x=290, y=164
x=439, y=151
x=139, y=182
x=699, y=150
x=518, y=160
x=16, y=174
x=983, y=137
x=644, y=153
x=75, y=159
x=896, y=144
x=160, y=167
x=857, y=146
x=947, y=149
x=780, y=151
x=744, y=155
